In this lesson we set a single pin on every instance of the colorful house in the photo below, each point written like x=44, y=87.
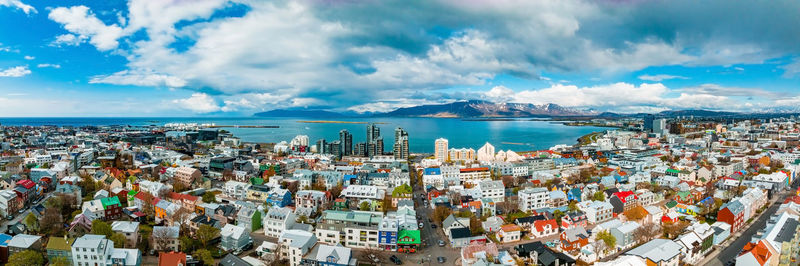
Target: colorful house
x=112, y=208
x=408, y=241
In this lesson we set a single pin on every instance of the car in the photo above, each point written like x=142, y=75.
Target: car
x=421, y=225
x=441, y=259
x=248, y=246
x=396, y=260
x=430, y=220
x=441, y=243
x=374, y=258
x=433, y=226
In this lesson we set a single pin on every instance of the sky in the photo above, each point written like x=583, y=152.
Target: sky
x=235, y=58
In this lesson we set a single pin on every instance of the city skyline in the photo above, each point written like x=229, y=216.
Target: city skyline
x=235, y=58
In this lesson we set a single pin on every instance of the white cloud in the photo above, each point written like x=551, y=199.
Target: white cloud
x=80, y=21
x=18, y=4
x=140, y=78
x=68, y=40
x=28, y=57
x=48, y=65
x=15, y=72
x=500, y=94
x=198, y=103
x=660, y=77
x=791, y=69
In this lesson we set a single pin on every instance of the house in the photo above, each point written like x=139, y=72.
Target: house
x=574, y=238
x=234, y=237
x=355, y=229
x=249, y=218
x=59, y=247
x=539, y=254
x=408, y=241
x=278, y=220
x=544, y=228
x=279, y=198
x=660, y=252
x=328, y=255
x=624, y=234
x=477, y=253
x=186, y=176
x=596, y=211
x=573, y=219
x=129, y=229
x=171, y=258
x=165, y=211
x=235, y=189
x=759, y=253
x=92, y=250
x=732, y=213
x=461, y=237
x=696, y=243
x=185, y=201
x=232, y=260
x=509, y=233
x=492, y=224
x=80, y=225
x=295, y=244
x=311, y=199
x=165, y=238
x=23, y=242
x=452, y=222
x=492, y=189
x=722, y=231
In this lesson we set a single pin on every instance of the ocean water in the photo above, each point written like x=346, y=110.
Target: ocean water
x=515, y=134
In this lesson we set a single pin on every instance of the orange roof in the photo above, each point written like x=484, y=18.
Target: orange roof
x=476, y=204
x=510, y=228
x=475, y=169
x=795, y=199
x=759, y=251
x=181, y=196
x=171, y=258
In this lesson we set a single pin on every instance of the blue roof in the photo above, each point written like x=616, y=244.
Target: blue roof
x=4, y=240
x=433, y=171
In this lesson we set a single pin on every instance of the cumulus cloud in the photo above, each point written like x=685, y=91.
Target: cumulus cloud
x=15, y=72
x=660, y=77
x=357, y=53
x=28, y=9
x=28, y=57
x=80, y=21
x=198, y=103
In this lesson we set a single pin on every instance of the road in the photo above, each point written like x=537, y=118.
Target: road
x=728, y=255
x=19, y=217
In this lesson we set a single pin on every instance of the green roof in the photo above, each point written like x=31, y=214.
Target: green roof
x=673, y=171
x=682, y=194
x=256, y=181
x=407, y=237
x=59, y=243
x=672, y=204
x=110, y=201
x=133, y=193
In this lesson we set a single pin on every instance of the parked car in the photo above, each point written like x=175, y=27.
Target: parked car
x=421, y=225
x=441, y=259
x=433, y=226
x=396, y=260
x=441, y=243
x=374, y=258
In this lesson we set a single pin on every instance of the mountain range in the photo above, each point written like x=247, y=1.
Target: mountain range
x=486, y=109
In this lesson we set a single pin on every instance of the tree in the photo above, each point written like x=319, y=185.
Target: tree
x=599, y=196
x=209, y=197
x=205, y=256
x=608, y=239
x=187, y=244
x=364, y=206
x=573, y=206
x=440, y=213
x=31, y=222
x=475, y=226
x=336, y=191
x=52, y=222
x=206, y=233
x=59, y=261
x=26, y=258
x=162, y=238
x=101, y=228
x=119, y=240
x=510, y=205
x=557, y=214
x=645, y=232
x=672, y=230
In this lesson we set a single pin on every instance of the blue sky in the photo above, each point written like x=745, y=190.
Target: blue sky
x=234, y=58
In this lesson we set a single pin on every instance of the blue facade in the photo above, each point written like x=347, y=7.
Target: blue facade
x=280, y=199
x=387, y=239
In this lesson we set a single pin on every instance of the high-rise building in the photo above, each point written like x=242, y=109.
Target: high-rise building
x=360, y=149
x=400, y=149
x=346, y=140
x=647, y=125
x=322, y=146
x=374, y=140
x=440, y=149
x=660, y=126
x=335, y=148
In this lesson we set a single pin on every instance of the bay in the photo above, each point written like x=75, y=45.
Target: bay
x=521, y=134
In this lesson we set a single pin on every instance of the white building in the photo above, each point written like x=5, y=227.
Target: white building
x=492, y=189
x=90, y=250
x=278, y=220
x=486, y=153
x=533, y=198
x=295, y=244
x=440, y=149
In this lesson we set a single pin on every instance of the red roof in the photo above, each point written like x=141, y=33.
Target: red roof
x=795, y=199
x=181, y=196
x=759, y=251
x=475, y=169
x=26, y=183
x=540, y=224
x=171, y=258
x=622, y=195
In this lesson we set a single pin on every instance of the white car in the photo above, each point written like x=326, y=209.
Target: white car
x=421, y=225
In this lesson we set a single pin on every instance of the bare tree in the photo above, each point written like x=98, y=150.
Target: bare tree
x=510, y=205
x=162, y=238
